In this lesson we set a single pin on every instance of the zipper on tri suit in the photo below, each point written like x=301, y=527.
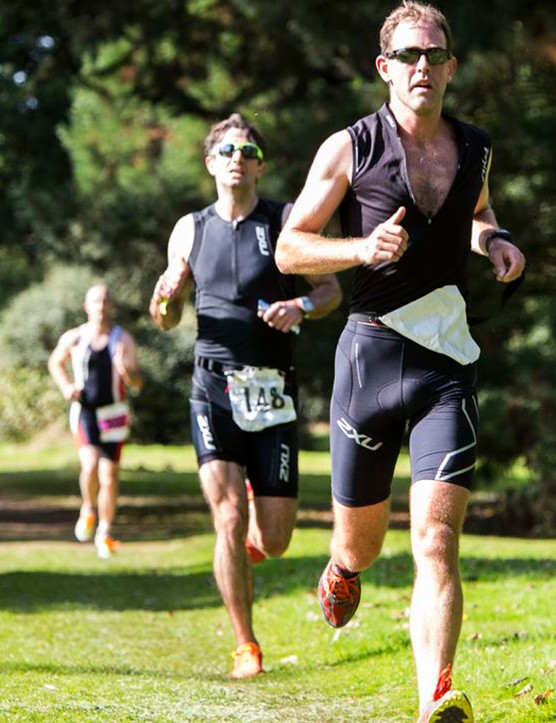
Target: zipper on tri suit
x=235, y=238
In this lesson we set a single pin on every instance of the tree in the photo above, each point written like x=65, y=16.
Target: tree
x=104, y=108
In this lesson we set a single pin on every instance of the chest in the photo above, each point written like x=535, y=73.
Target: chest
x=234, y=261
x=431, y=170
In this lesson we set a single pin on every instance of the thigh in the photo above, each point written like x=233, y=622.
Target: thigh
x=84, y=427
x=214, y=433
x=437, y=511
x=366, y=415
x=443, y=441
x=89, y=456
x=107, y=470
x=272, y=461
x=359, y=533
x=274, y=520
x=223, y=485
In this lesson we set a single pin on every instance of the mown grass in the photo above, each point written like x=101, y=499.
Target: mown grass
x=144, y=637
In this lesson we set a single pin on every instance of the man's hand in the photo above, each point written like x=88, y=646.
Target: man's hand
x=387, y=243
x=282, y=315
x=167, y=299
x=70, y=392
x=507, y=260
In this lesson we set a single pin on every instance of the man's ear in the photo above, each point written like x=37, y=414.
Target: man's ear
x=209, y=163
x=452, y=67
x=381, y=64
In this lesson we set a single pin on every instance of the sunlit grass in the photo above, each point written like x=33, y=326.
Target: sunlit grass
x=144, y=637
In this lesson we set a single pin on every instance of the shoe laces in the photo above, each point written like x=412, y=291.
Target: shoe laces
x=444, y=683
x=342, y=588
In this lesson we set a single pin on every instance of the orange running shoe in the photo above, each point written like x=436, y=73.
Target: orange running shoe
x=248, y=661
x=106, y=546
x=85, y=526
x=447, y=706
x=338, y=597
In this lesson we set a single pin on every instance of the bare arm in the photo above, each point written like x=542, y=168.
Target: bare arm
x=171, y=289
x=57, y=365
x=301, y=246
x=507, y=260
x=126, y=363
x=326, y=295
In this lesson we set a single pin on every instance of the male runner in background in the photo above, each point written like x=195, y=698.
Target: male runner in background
x=243, y=398
x=104, y=361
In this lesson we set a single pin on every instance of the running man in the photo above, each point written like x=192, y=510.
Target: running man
x=103, y=361
x=411, y=185
x=243, y=398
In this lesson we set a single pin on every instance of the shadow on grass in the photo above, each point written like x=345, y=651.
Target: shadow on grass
x=43, y=505
x=190, y=590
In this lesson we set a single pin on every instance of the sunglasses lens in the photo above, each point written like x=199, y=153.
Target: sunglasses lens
x=437, y=56
x=410, y=57
x=226, y=149
x=249, y=150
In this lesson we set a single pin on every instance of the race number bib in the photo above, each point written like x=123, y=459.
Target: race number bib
x=113, y=422
x=258, y=400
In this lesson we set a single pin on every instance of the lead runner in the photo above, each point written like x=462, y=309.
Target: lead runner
x=411, y=183
x=243, y=401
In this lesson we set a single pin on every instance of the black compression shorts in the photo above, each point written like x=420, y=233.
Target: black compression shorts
x=85, y=431
x=270, y=457
x=383, y=384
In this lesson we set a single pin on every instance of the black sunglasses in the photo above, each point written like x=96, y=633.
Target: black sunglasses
x=410, y=56
x=248, y=150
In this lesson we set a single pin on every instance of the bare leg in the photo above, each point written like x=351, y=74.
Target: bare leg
x=108, y=493
x=437, y=513
x=271, y=522
x=224, y=488
x=358, y=534
x=88, y=476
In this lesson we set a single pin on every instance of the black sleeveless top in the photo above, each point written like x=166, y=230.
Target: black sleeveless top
x=233, y=266
x=439, y=246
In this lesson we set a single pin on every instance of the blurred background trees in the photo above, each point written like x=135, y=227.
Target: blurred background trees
x=103, y=112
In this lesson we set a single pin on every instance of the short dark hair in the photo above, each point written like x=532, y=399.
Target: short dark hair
x=411, y=11
x=219, y=130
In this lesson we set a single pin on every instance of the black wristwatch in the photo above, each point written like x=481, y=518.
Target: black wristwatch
x=305, y=304
x=497, y=233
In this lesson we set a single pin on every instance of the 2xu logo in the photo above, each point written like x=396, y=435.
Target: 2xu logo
x=361, y=439
x=204, y=428
x=284, y=474
x=262, y=240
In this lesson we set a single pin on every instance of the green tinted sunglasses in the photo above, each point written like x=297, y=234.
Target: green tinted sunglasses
x=248, y=150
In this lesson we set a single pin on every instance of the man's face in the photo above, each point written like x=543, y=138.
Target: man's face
x=234, y=171
x=98, y=305
x=419, y=87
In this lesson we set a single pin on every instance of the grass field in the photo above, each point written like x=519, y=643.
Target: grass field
x=144, y=637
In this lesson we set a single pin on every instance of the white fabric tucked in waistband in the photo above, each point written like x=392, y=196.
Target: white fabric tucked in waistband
x=438, y=322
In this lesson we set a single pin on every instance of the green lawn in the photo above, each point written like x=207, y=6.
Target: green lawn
x=143, y=636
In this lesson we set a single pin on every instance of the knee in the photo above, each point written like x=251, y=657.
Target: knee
x=437, y=543
x=89, y=469
x=230, y=520
x=274, y=544
x=356, y=557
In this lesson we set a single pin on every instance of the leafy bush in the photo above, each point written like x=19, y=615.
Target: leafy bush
x=29, y=402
